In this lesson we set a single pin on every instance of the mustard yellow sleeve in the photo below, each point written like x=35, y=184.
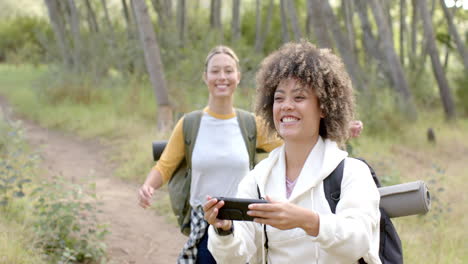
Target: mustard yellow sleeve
x=173, y=153
x=266, y=141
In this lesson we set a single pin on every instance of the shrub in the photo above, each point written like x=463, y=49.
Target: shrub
x=15, y=163
x=67, y=223
x=20, y=39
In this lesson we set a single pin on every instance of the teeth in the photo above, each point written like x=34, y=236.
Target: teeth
x=289, y=119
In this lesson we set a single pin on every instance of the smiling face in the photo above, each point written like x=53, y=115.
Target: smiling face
x=296, y=112
x=221, y=76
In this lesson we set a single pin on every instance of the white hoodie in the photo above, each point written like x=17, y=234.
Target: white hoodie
x=344, y=237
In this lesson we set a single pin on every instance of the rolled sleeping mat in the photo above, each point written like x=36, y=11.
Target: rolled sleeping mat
x=158, y=148
x=404, y=199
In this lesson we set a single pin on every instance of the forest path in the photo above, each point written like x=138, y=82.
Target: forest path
x=137, y=236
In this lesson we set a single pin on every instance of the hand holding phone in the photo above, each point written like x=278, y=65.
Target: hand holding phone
x=236, y=208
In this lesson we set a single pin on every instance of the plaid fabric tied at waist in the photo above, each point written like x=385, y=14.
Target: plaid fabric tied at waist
x=198, y=227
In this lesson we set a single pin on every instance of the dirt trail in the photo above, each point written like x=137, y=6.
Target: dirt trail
x=137, y=236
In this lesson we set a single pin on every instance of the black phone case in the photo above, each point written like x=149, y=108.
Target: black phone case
x=236, y=208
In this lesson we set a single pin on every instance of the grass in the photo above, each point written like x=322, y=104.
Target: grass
x=122, y=116
x=15, y=244
x=438, y=236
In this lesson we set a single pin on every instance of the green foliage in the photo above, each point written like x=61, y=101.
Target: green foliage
x=64, y=218
x=380, y=111
x=67, y=223
x=15, y=243
x=22, y=39
x=462, y=93
x=66, y=86
x=14, y=164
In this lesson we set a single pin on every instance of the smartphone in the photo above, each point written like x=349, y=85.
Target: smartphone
x=236, y=208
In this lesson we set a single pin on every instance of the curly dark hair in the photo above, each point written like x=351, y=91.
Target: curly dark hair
x=318, y=69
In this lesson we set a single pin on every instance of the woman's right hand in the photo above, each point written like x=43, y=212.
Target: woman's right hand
x=145, y=194
x=211, y=209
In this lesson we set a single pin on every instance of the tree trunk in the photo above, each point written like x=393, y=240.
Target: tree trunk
x=74, y=21
x=402, y=30
x=266, y=30
x=215, y=14
x=59, y=31
x=258, y=25
x=92, y=21
x=349, y=58
x=163, y=9
x=153, y=64
x=444, y=89
x=236, y=21
x=127, y=16
x=215, y=17
x=107, y=19
x=414, y=35
x=348, y=11
x=181, y=21
x=159, y=9
x=284, y=22
x=370, y=43
x=317, y=22
x=398, y=78
x=454, y=33
x=290, y=6
x=386, y=5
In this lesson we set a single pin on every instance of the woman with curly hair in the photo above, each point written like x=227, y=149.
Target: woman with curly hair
x=305, y=97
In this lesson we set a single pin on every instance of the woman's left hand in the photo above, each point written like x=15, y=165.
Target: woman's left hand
x=284, y=215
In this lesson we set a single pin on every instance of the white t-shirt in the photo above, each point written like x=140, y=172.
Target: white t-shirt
x=219, y=160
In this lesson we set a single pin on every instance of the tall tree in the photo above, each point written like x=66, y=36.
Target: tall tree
x=348, y=12
x=153, y=64
x=215, y=14
x=108, y=20
x=92, y=21
x=127, y=15
x=402, y=30
x=369, y=42
x=316, y=22
x=181, y=21
x=74, y=22
x=397, y=75
x=215, y=17
x=412, y=51
x=59, y=31
x=284, y=22
x=444, y=88
x=236, y=21
x=349, y=58
x=454, y=34
x=292, y=14
x=163, y=9
x=258, y=25
x=263, y=33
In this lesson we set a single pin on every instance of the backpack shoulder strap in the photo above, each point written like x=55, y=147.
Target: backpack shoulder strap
x=332, y=186
x=248, y=128
x=191, y=126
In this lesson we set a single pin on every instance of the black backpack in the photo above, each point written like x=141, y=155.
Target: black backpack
x=390, y=250
x=179, y=184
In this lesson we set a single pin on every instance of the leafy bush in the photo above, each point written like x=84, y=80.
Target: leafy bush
x=21, y=39
x=64, y=218
x=67, y=223
x=14, y=163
